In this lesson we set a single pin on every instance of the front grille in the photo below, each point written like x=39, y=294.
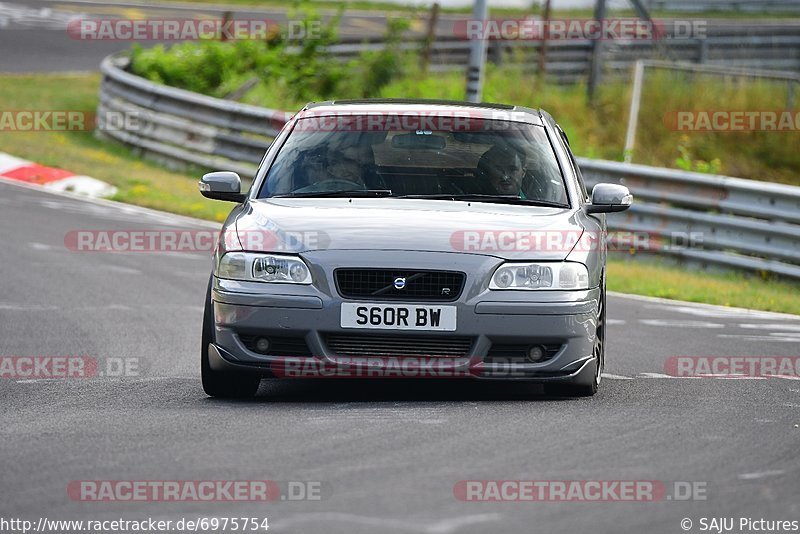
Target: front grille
x=517, y=352
x=278, y=345
x=398, y=345
x=442, y=286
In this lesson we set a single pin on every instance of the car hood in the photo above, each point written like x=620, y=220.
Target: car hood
x=507, y=231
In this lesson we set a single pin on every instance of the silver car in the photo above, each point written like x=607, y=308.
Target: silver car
x=411, y=239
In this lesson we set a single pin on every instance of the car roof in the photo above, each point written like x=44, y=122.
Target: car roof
x=415, y=105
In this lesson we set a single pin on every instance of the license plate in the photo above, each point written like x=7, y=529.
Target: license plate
x=398, y=317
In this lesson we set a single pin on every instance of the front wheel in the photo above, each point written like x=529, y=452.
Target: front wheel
x=599, y=353
x=216, y=383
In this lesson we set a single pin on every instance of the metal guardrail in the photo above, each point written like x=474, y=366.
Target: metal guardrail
x=741, y=6
x=182, y=126
x=743, y=224
x=756, y=45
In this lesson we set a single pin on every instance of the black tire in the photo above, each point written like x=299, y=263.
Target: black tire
x=221, y=384
x=588, y=390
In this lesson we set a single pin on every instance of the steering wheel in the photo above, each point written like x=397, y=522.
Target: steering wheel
x=332, y=184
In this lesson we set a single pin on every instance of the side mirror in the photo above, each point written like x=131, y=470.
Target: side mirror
x=222, y=185
x=609, y=198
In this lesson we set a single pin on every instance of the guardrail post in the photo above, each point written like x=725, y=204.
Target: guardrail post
x=430, y=37
x=543, y=45
x=702, y=50
x=496, y=52
x=477, y=55
x=633, y=112
x=597, y=53
x=226, y=18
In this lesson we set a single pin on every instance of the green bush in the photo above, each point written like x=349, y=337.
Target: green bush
x=300, y=69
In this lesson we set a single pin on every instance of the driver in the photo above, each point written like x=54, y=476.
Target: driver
x=313, y=165
x=345, y=166
x=332, y=170
x=504, y=168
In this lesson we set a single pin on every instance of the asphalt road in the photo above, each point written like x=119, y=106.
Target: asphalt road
x=387, y=455
x=33, y=36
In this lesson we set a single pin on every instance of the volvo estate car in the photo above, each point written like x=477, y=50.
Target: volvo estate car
x=410, y=238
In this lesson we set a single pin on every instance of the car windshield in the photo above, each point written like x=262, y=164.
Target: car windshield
x=481, y=160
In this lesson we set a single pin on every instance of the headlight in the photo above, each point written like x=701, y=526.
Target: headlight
x=540, y=276
x=254, y=267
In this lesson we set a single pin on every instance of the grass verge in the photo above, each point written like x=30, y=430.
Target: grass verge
x=138, y=181
x=148, y=184
x=655, y=278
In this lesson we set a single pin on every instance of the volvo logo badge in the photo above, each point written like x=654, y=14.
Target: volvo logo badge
x=399, y=283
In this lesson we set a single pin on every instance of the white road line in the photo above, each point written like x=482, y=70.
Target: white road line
x=120, y=269
x=786, y=334
x=35, y=380
x=714, y=377
x=172, y=218
x=723, y=313
x=771, y=326
x=44, y=246
x=610, y=376
x=100, y=378
x=680, y=324
x=734, y=377
x=760, y=474
x=776, y=337
x=697, y=308
x=444, y=526
x=659, y=375
x=5, y=306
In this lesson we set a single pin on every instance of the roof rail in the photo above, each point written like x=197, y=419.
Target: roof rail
x=435, y=102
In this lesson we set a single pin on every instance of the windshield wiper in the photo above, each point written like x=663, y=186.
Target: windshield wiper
x=349, y=193
x=499, y=199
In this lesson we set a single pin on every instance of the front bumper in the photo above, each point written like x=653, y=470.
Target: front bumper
x=563, y=321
